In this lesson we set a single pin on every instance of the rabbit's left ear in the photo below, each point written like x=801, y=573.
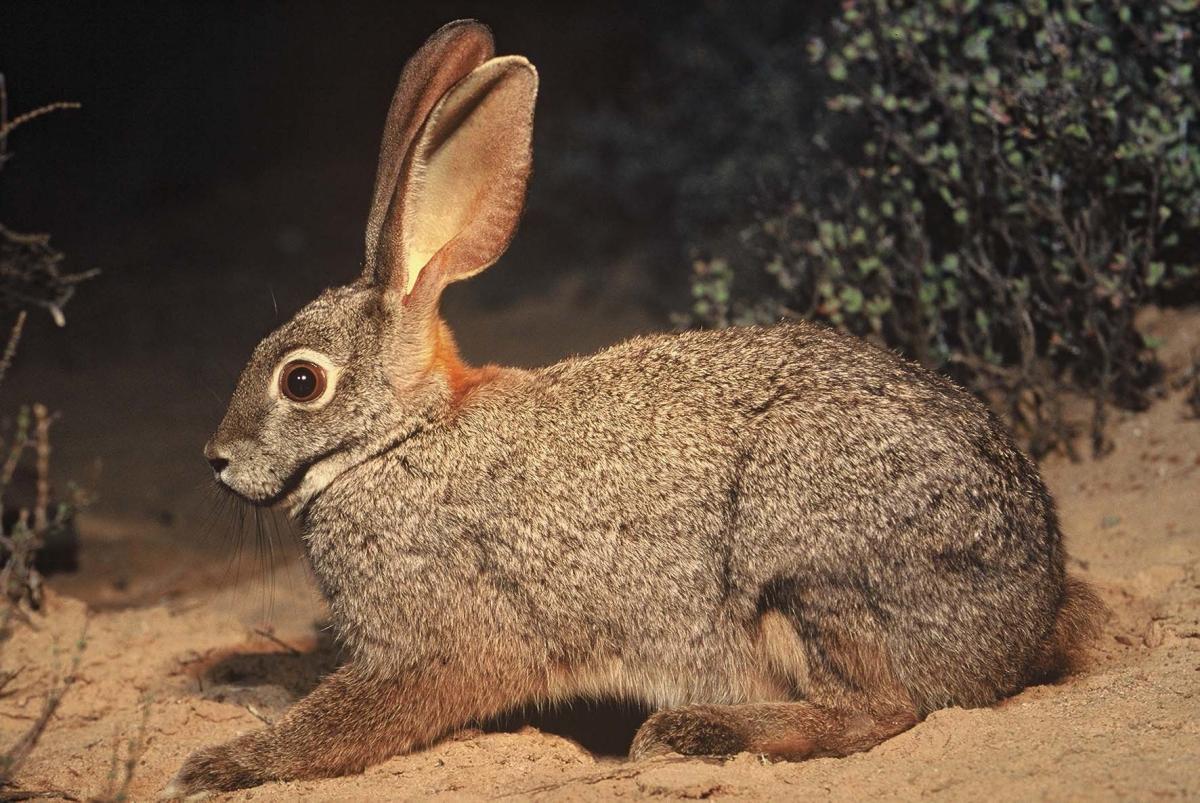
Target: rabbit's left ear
x=462, y=187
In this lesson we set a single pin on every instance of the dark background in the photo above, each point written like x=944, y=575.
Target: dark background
x=183, y=98
x=219, y=171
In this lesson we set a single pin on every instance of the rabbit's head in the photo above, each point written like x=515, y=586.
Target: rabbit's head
x=364, y=364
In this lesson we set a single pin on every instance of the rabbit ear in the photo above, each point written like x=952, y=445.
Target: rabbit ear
x=445, y=58
x=462, y=187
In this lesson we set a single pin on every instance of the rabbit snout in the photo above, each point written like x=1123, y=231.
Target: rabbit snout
x=242, y=468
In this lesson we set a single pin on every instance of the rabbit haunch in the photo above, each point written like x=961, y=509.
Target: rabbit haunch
x=785, y=539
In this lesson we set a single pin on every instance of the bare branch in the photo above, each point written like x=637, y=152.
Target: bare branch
x=10, y=348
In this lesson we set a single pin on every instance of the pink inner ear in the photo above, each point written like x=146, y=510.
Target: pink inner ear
x=467, y=174
x=449, y=55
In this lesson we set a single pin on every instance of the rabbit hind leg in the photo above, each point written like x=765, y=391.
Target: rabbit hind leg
x=848, y=699
x=787, y=731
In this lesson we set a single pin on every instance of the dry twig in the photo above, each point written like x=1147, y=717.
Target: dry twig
x=10, y=348
x=15, y=756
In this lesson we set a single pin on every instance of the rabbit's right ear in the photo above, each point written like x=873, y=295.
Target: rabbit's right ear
x=462, y=188
x=447, y=57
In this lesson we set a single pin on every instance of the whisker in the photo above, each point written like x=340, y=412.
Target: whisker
x=273, y=551
x=229, y=518
x=282, y=532
x=239, y=532
x=260, y=550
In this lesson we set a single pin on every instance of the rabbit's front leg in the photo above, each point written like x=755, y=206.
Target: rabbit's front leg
x=351, y=720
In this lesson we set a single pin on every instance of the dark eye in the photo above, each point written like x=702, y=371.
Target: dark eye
x=302, y=381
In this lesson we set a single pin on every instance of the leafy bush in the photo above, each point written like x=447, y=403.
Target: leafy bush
x=996, y=189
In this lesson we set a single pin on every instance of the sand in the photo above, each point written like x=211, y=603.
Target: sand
x=175, y=656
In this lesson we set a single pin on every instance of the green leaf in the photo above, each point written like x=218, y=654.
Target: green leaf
x=825, y=231
x=929, y=130
x=1111, y=74
x=878, y=305
x=852, y=299
x=976, y=46
x=1078, y=131
x=949, y=293
x=867, y=265
x=836, y=68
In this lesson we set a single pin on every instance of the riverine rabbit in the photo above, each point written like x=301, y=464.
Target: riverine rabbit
x=784, y=540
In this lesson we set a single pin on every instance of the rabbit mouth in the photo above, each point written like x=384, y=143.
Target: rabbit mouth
x=268, y=499
x=287, y=492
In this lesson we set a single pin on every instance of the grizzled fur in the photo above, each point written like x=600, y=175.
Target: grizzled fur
x=785, y=539
x=626, y=520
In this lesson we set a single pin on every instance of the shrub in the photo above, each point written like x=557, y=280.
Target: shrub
x=995, y=190
x=29, y=278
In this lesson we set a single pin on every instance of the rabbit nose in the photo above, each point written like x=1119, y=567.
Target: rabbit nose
x=215, y=458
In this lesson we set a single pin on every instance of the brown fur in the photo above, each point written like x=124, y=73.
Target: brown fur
x=784, y=539
x=352, y=720
x=787, y=731
x=1080, y=617
x=460, y=378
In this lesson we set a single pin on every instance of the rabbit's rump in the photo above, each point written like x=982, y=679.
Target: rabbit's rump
x=721, y=517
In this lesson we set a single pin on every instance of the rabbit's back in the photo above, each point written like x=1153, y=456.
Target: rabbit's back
x=645, y=508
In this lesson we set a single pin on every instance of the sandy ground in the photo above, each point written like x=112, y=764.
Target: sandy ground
x=199, y=659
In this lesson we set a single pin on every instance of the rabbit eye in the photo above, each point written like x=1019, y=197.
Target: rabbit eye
x=302, y=381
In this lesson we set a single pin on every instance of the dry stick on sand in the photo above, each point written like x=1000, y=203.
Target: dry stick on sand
x=269, y=636
x=15, y=756
x=120, y=773
x=8, y=677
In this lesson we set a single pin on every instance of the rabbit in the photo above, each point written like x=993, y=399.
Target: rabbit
x=782, y=539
